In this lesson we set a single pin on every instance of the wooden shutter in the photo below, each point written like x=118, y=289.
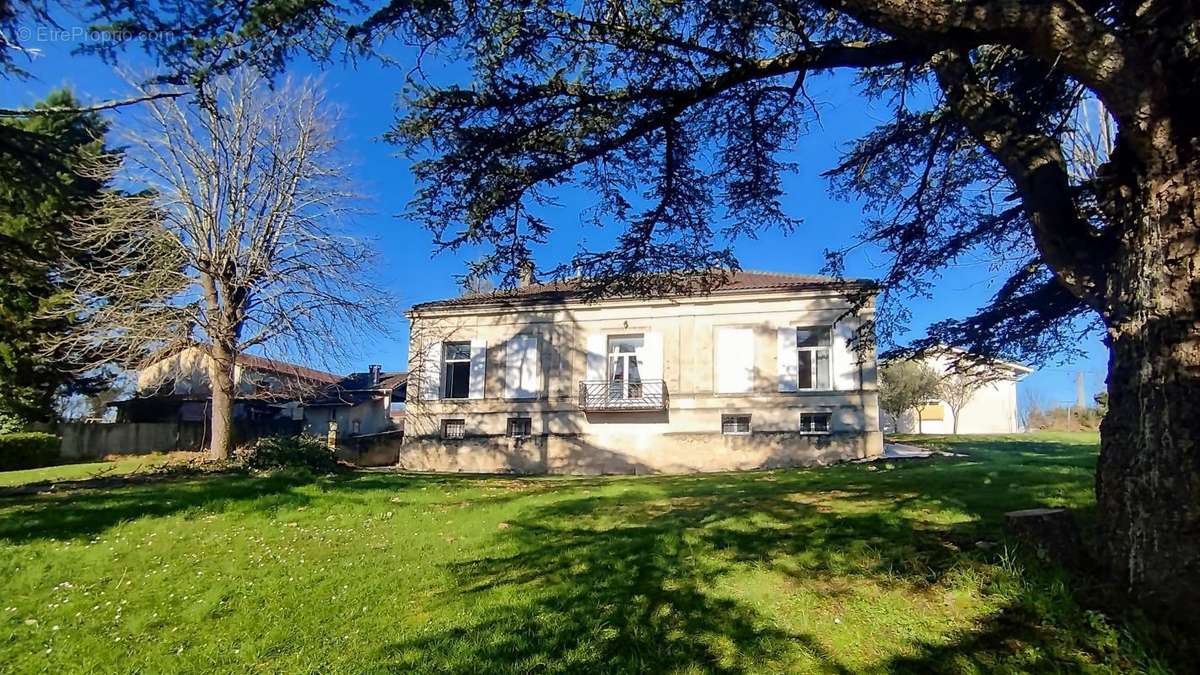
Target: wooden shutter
x=478, y=367
x=431, y=387
x=652, y=357
x=522, y=374
x=845, y=358
x=735, y=360
x=789, y=360
x=597, y=345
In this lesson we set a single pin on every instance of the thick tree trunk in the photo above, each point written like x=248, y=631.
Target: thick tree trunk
x=224, y=396
x=1148, y=480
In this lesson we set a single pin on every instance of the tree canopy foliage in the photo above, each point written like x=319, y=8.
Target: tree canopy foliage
x=41, y=189
x=679, y=115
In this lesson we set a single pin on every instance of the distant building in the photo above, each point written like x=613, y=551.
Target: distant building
x=362, y=404
x=991, y=408
x=178, y=388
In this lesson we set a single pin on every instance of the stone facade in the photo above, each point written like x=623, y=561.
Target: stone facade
x=727, y=355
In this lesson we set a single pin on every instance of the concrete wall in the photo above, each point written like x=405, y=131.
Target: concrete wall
x=85, y=441
x=684, y=437
x=372, y=417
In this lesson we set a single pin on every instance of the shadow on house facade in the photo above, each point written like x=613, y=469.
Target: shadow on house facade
x=764, y=372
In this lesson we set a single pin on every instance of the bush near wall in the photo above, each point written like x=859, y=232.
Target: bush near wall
x=289, y=452
x=28, y=450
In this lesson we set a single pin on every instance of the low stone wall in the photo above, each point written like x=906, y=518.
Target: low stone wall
x=373, y=450
x=586, y=454
x=82, y=440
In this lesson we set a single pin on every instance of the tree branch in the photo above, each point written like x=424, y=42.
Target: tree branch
x=97, y=107
x=1035, y=163
x=822, y=57
x=1057, y=32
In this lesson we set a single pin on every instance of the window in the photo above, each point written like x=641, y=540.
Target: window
x=520, y=427
x=454, y=428
x=932, y=411
x=624, y=369
x=732, y=425
x=814, y=422
x=356, y=427
x=813, y=358
x=456, y=371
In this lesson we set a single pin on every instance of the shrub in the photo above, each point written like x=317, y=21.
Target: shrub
x=28, y=450
x=285, y=452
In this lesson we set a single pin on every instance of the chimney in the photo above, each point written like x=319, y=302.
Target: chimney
x=526, y=274
x=373, y=374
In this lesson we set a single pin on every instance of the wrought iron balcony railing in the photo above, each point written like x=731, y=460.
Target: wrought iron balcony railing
x=610, y=395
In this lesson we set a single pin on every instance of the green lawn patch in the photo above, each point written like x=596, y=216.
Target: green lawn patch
x=854, y=568
x=121, y=467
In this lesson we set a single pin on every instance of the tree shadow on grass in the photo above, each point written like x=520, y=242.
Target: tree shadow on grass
x=633, y=582
x=86, y=513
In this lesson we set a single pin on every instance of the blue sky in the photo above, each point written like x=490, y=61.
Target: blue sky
x=408, y=268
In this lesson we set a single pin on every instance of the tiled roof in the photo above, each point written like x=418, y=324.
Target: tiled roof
x=284, y=368
x=356, y=387
x=571, y=288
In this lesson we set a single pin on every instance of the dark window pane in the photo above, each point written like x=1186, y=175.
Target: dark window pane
x=458, y=380
x=458, y=351
x=735, y=424
x=804, y=377
x=814, y=422
x=634, y=375
x=519, y=427
x=812, y=337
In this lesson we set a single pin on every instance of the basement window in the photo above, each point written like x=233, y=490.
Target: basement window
x=814, y=422
x=454, y=428
x=735, y=425
x=520, y=427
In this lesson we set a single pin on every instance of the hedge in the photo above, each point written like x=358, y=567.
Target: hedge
x=28, y=450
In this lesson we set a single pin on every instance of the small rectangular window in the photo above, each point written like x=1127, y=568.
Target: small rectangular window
x=520, y=427
x=814, y=422
x=732, y=425
x=456, y=370
x=454, y=428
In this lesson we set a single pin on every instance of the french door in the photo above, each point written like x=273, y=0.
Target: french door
x=624, y=373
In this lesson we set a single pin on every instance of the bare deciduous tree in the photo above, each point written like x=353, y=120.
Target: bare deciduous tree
x=235, y=241
x=955, y=388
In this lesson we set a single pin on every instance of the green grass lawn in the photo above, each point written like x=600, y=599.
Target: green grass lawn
x=120, y=467
x=854, y=568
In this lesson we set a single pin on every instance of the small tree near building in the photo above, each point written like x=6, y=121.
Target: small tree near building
x=956, y=388
x=905, y=386
x=233, y=245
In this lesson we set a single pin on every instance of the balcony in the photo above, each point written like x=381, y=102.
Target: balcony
x=616, y=396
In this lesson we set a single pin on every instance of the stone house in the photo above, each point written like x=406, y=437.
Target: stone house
x=764, y=372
